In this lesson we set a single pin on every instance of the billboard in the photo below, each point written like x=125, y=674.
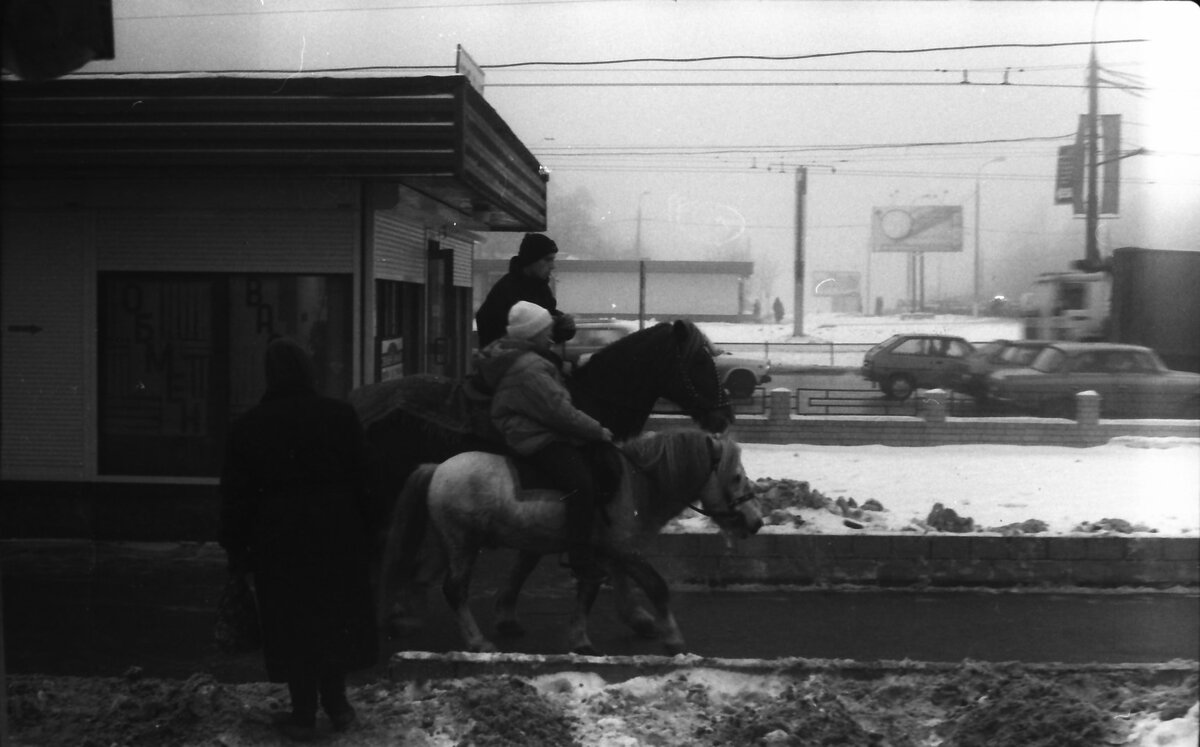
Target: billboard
x=917, y=228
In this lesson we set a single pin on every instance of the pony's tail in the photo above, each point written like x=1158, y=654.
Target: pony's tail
x=406, y=539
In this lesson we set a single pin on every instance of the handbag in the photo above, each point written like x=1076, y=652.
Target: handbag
x=237, y=629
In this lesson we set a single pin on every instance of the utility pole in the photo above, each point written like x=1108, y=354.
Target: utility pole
x=798, y=293
x=1092, y=158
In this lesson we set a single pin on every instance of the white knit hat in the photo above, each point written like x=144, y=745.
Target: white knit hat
x=526, y=319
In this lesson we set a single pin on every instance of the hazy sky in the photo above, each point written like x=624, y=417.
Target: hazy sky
x=709, y=148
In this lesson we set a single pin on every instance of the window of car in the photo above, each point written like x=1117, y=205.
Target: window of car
x=1019, y=355
x=1090, y=363
x=1050, y=360
x=993, y=350
x=912, y=346
x=957, y=349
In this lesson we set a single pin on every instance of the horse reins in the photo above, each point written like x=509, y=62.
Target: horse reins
x=714, y=461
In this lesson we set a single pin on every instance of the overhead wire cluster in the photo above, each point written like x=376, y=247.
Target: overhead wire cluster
x=786, y=158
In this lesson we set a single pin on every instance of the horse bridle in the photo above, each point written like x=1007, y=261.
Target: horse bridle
x=731, y=502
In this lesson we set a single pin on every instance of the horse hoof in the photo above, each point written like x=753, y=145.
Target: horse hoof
x=588, y=650
x=510, y=629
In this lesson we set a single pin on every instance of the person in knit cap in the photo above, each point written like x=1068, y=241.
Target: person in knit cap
x=528, y=279
x=532, y=409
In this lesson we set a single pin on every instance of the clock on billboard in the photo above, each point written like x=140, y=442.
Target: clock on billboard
x=896, y=224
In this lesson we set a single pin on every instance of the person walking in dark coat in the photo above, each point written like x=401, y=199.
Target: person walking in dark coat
x=528, y=279
x=294, y=513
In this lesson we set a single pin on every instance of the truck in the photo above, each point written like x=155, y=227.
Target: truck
x=1148, y=297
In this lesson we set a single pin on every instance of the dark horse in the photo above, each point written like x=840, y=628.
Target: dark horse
x=427, y=418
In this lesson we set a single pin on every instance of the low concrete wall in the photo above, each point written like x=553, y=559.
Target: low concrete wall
x=934, y=559
x=932, y=427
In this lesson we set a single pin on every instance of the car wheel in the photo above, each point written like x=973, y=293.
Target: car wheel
x=740, y=384
x=899, y=386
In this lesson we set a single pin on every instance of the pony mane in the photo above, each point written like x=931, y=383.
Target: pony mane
x=654, y=336
x=678, y=455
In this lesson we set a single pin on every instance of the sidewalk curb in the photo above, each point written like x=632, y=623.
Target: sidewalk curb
x=418, y=666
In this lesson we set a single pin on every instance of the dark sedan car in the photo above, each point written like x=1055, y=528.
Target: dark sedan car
x=1131, y=380
x=994, y=356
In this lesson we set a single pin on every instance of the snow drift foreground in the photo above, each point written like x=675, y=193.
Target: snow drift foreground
x=973, y=704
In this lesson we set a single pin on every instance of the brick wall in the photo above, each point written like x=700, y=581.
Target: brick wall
x=929, y=559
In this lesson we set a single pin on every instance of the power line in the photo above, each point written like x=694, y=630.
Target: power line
x=756, y=149
x=808, y=84
x=810, y=56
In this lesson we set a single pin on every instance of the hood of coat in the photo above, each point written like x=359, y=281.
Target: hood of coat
x=496, y=359
x=289, y=369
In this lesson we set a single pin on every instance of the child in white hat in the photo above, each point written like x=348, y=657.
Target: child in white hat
x=532, y=409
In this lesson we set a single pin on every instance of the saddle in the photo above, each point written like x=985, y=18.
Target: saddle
x=534, y=485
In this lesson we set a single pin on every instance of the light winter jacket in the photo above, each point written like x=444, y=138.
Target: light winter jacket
x=531, y=406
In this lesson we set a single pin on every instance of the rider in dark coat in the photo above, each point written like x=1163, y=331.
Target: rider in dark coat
x=294, y=513
x=528, y=279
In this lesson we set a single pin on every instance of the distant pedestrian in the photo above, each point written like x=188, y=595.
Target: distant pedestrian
x=294, y=513
x=528, y=279
x=778, y=308
x=757, y=310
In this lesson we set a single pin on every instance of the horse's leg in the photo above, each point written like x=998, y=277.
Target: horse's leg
x=660, y=598
x=457, y=589
x=578, y=641
x=631, y=613
x=506, y=601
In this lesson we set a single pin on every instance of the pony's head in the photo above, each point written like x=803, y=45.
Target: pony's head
x=728, y=497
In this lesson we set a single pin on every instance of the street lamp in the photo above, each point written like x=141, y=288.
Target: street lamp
x=978, y=265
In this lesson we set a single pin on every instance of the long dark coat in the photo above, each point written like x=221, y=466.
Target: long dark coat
x=295, y=512
x=491, y=321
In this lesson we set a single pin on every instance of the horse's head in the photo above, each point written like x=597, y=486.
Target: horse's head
x=690, y=379
x=728, y=497
x=671, y=360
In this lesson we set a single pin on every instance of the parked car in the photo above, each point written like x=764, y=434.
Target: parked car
x=904, y=363
x=1132, y=382
x=740, y=375
x=994, y=356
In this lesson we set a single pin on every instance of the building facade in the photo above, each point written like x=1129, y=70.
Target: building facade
x=158, y=232
x=592, y=288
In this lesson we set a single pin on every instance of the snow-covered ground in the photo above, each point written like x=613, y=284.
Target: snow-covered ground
x=1154, y=483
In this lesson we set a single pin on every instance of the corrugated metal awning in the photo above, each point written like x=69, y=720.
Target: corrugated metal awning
x=436, y=135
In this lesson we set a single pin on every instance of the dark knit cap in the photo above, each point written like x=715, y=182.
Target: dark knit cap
x=533, y=247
